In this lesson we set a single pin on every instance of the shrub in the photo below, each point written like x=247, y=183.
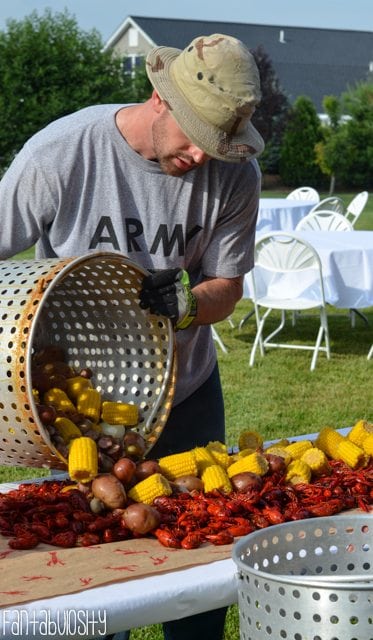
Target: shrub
x=348, y=150
x=298, y=164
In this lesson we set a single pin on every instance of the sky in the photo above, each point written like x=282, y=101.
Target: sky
x=107, y=15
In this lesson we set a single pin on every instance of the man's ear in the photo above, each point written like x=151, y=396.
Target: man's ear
x=157, y=102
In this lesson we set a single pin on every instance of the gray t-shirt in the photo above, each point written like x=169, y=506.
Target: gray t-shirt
x=77, y=187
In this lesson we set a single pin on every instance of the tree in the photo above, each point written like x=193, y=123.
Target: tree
x=298, y=164
x=49, y=68
x=332, y=108
x=348, y=150
x=271, y=116
x=138, y=87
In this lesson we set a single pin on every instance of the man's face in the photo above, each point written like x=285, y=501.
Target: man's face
x=175, y=153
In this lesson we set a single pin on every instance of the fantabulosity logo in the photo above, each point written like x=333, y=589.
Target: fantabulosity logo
x=164, y=242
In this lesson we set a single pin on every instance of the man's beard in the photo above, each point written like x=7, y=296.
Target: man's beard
x=166, y=161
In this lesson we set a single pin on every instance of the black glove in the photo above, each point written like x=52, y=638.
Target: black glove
x=168, y=293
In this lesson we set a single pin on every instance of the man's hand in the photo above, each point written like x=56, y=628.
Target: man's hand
x=168, y=293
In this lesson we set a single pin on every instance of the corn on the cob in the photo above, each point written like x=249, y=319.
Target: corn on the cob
x=203, y=458
x=152, y=487
x=298, y=471
x=67, y=429
x=219, y=452
x=351, y=454
x=281, y=443
x=250, y=440
x=359, y=432
x=316, y=460
x=328, y=441
x=89, y=404
x=367, y=445
x=83, y=459
x=255, y=462
x=120, y=413
x=59, y=399
x=240, y=454
x=75, y=386
x=178, y=464
x=244, y=452
x=297, y=449
x=215, y=477
x=279, y=451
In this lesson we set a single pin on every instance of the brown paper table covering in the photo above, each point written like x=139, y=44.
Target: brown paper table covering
x=46, y=571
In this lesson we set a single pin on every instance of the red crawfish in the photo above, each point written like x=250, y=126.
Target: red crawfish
x=192, y=540
x=224, y=537
x=65, y=539
x=167, y=538
x=24, y=541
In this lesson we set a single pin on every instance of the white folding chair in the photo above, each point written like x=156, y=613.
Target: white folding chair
x=356, y=207
x=278, y=255
x=370, y=354
x=332, y=203
x=304, y=193
x=322, y=220
x=218, y=339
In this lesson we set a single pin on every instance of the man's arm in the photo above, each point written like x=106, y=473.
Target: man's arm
x=25, y=205
x=217, y=298
x=168, y=292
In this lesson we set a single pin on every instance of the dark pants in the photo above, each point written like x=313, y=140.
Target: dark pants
x=194, y=422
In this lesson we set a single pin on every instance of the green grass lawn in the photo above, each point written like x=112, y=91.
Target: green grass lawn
x=28, y=254
x=280, y=396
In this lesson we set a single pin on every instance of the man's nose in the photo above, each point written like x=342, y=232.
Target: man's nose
x=199, y=156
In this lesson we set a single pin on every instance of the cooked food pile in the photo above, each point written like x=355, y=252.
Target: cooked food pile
x=71, y=408
x=208, y=494
x=205, y=495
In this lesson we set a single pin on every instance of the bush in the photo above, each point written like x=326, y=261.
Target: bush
x=272, y=114
x=298, y=164
x=49, y=68
x=349, y=149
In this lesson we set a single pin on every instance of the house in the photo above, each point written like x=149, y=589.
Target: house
x=307, y=61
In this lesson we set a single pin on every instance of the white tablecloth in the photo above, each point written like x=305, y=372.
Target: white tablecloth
x=137, y=603
x=347, y=263
x=281, y=213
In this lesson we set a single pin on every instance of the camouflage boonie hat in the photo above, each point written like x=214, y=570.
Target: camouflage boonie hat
x=211, y=88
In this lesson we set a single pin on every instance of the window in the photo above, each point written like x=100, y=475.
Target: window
x=131, y=62
x=133, y=37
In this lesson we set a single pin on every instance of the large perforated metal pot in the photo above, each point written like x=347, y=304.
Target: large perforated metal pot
x=89, y=307
x=307, y=580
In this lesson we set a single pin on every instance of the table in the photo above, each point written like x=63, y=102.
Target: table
x=137, y=603
x=281, y=213
x=347, y=263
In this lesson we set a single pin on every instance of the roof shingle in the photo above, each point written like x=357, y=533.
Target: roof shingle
x=312, y=62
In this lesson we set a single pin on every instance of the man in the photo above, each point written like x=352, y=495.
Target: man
x=172, y=184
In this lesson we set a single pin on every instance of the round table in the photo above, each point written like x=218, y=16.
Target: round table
x=346, y=258
x=281, y=213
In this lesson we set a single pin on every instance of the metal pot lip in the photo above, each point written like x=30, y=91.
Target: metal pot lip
x=344, y=582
